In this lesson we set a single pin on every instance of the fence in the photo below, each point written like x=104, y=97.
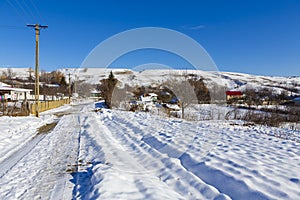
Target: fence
x=47, y=105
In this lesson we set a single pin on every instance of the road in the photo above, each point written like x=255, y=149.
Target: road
x=40, y=168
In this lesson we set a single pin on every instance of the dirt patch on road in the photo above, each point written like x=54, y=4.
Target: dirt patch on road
x=46, y=128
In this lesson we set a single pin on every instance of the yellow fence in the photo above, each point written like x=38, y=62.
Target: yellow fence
x=47, y=105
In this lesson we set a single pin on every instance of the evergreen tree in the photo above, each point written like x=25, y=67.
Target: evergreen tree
x=107, y=87
x=111, y=76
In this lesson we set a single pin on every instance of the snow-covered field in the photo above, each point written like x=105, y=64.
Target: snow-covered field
x=124, y=155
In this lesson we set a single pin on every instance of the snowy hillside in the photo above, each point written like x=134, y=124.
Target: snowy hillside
x=125, y=155
x=232, y=81
x=229, y=80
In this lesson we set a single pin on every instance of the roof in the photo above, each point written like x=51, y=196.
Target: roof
x=233, y=93
x=146, y=99
x=15, y=89
x=150, y=94
x=296, y=99
x=4, y=85
x=173, y=106
x=95, y=91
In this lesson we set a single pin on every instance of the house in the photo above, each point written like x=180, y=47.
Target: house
x=13, y=94
x=233, y=95
x=95, y=94
x=149, y=98
x=296, y=101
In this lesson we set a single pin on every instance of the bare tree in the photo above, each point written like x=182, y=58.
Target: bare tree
x=3, y=76
x=8, y=75
x=84, y=89
x=184, y=92
x=121, y=96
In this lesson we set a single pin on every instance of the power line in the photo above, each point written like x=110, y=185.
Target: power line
x=27, y=16
x=26, y=10
x=37, y=11
x=29, y=10
x=16, y=10
x=12, y=27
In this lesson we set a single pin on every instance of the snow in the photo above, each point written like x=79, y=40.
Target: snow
x=114, y=154
x=4, y=85
x=230, y=80
x=18, y=131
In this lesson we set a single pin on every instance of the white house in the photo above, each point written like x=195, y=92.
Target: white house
x=95, y=94
x=148, y=100
x=13, y=94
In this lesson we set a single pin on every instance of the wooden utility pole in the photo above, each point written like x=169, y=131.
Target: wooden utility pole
x=69, y=87
x=75, y=85
x=37, y=28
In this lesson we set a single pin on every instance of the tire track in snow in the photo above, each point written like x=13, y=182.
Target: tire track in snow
x=63, y=183
x=112, y=170
x=42, y=172
x=211, y=176
x=12, y=160
x=83, y=173
x=28, y=132
x=175, y=135
x=167, y=169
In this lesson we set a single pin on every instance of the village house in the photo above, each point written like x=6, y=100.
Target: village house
x=230, y=95
x=148, y=100
x=13, y=94
x=95, y=95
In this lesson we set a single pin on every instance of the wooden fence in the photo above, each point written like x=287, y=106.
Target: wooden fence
x=47, y=105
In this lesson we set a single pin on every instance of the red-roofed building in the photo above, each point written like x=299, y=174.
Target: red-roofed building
x=233, y=95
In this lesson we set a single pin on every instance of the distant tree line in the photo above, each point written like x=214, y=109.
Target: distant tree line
x=256, y=97
x=51, y=83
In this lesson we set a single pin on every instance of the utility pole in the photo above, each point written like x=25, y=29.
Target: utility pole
x=75, y=85
x=69, y=87
x=37, y=28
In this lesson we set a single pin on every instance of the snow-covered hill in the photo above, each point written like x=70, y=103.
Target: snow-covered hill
x=229, y=80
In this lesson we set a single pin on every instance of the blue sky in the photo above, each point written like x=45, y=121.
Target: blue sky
x=257, y=37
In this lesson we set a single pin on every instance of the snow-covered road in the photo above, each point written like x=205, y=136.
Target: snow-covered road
x=43, y=163
x=122, y=155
